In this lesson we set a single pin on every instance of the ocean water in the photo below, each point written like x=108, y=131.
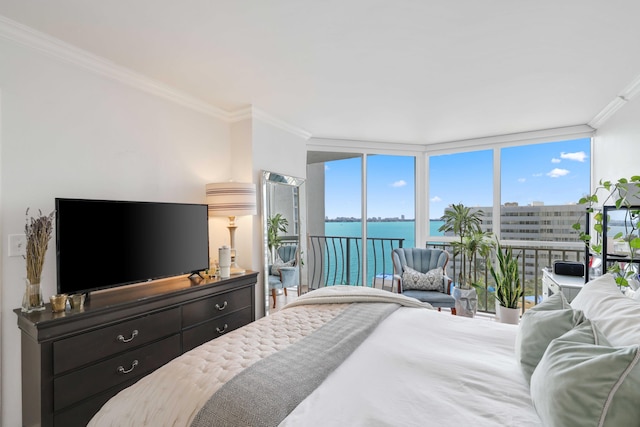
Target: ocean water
x=377, y=263
x=400, y=229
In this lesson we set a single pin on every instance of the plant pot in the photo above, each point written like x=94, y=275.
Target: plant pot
x=32, y=299
x=507, y=315
x=466, y=301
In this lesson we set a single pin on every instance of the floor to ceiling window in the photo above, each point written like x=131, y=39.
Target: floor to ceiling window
x=389, y=210
x=390, y=213
x=532, y=208
x=540, y=186
x=465, y=178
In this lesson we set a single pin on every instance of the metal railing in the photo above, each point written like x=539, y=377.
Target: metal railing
x=532, y=259
x=337, y=260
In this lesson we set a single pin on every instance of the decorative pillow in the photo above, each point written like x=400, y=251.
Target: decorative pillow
x=617, y=316
x=540, y=325
x=278, y=264
x=432, y=280
x=582, y=383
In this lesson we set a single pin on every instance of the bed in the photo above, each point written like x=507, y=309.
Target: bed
x=403, y=364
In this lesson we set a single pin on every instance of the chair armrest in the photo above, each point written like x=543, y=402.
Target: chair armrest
x=398, y=279
x=446, y=282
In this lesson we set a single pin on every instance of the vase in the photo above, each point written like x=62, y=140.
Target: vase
x=466, y=301
x=32, y=299
x=507, y=315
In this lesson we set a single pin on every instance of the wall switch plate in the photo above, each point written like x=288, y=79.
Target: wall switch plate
x=17, y=244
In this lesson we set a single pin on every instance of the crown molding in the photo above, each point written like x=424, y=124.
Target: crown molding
x=626, y=95
x=544, y=135
x=607, y=112
x=280, y=124
x=51, y=46
x=27, y=36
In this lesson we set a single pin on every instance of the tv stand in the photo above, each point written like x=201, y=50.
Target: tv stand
x=196, y=273
x=74, y=361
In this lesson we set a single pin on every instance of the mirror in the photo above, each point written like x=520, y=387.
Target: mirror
x=283, y=202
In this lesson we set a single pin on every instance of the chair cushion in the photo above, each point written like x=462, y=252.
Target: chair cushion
x=435, y=298
x=432, y=280
x=274, y=282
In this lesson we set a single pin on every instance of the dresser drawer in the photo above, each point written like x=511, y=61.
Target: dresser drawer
x=207, y=331
x=82, y=349
x=216, y=306
x=86, y=382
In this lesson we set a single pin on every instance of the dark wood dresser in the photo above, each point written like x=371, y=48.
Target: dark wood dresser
x=74, y=361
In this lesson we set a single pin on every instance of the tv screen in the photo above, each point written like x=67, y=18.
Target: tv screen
x=102, y=244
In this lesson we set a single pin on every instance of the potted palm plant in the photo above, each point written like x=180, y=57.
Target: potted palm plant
x=466, y=224
x=508, y=289
x=276, y=224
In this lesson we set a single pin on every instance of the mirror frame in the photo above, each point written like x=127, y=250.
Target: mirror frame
x=270, y=179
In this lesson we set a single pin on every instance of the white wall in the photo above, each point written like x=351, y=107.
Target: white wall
x=617, y=144
x=67, y=132
x=279, y=151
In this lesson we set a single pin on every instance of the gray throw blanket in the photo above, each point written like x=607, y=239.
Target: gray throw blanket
x=266, y=392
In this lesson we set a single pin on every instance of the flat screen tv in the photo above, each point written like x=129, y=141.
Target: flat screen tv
x=103, y=243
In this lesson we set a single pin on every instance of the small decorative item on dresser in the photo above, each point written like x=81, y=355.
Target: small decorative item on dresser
x=38, y=233
x=58, y=302
x=76, y=301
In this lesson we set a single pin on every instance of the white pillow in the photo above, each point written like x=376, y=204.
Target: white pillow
x=617, y=316
x=278, y=264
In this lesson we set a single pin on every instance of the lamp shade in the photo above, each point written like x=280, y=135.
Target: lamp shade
x=231, y=199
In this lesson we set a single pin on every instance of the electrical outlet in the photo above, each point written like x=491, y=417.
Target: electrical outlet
x=17, y=244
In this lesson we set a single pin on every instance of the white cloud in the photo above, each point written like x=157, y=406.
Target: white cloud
x=436, y=199
x=400, y=183
x=326, y=167
x=522, y=179
x=579, y=156
x=557, y=172
x=537, y=174
x=555, y=160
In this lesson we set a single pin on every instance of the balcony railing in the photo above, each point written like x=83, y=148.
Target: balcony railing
x=337, y=260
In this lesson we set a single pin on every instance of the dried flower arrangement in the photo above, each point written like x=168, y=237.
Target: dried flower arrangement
x=38, y=232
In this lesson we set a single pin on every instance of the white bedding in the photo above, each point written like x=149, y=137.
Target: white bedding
x=419, y=367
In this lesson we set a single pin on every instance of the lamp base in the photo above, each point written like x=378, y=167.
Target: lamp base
x=236, y=270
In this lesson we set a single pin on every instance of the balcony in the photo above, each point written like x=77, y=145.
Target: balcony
x=337, y=260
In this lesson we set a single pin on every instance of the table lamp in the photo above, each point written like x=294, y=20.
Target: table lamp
x=232, y=199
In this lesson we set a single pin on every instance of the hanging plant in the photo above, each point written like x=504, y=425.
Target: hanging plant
x=616, y=193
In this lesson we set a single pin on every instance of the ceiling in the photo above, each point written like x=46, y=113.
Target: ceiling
x=407, y=71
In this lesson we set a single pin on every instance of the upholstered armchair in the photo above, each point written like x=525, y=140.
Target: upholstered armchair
x=422, y=275
x=284, y=273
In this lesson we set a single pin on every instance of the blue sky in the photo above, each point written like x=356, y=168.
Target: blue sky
x=554, y=173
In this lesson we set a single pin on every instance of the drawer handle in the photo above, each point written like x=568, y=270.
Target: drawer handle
x=121, y=338
x=126, y=371
x=223, y=306
x=222, y=331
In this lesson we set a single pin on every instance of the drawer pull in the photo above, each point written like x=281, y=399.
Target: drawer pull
x=223, y=306
x=121, y=369
x=222, y=331
x=121, y=338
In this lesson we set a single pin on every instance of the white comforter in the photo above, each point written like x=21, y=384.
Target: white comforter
x=419, y=367
x=425, y=368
